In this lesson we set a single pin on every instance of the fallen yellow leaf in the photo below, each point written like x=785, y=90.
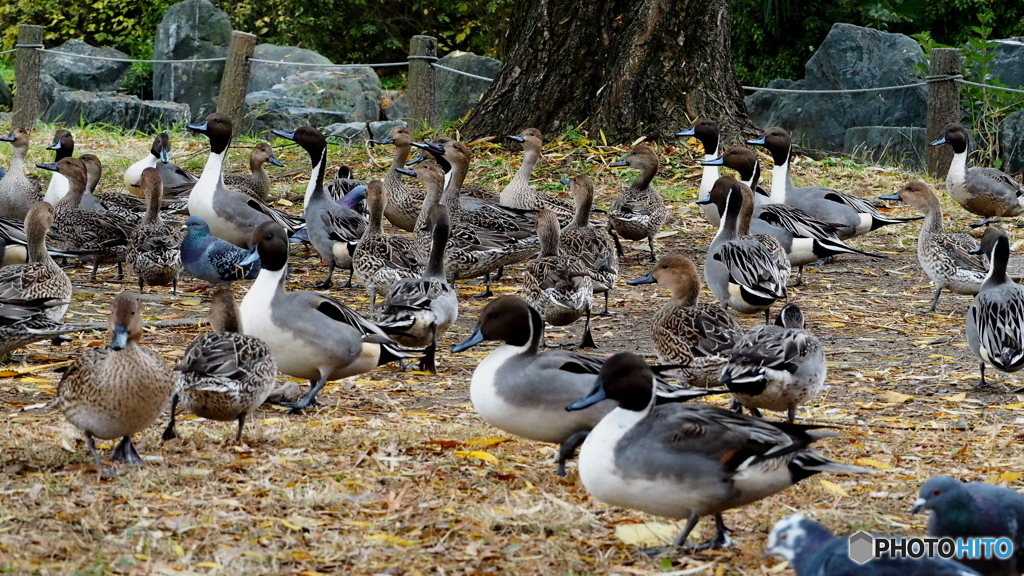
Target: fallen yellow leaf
x=477, y=454
x=834, y=488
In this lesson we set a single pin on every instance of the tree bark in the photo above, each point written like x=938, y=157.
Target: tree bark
x=630, y=68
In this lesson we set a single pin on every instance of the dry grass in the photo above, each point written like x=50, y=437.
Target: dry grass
x=397, y=475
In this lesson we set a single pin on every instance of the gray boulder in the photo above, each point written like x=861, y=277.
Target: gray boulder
x=850, y=57
x=888, y=145
x=1013, y=142
x=192, y=29
x=267, y=110
x=1008, y=63
x=356, y=132
x=457, y=94
x=83, y=73
x=80, y=107
x=264, y=76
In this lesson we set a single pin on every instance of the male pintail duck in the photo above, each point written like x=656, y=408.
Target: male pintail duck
x=946, y=258
x=557, y=285
x=418, y=311
x=117, y=390
x=776, y=367
x=984, y=191
x=856, y=215
x=23, y=322
x=224, y=375
x=812, y=550
x=379, y=260
x=805, y=238
x=230, y=215
x=687, y=461
x=332, y=228
x=696, y=337
x=995, y=320
x=211, y=259
x=705, y=130
x=639, y=211
x=158, y=157
x=40, y=277
x=746, y=273
x=592, y=246
x=520, y=194
x=103, y=234
x=522, y=391
x=153, y=252
x=18, y=192
x=312, y=336
x=63, y=147
x=257, y=183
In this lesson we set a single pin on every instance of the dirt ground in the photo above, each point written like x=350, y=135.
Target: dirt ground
x=395, y=474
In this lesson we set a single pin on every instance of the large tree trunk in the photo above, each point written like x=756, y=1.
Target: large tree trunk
x=628, y=67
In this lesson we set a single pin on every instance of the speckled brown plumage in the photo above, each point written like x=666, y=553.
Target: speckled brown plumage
x=116, y=390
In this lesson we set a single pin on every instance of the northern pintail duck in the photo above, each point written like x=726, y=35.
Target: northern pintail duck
x=776, y=367
x=687, y=461
x=40, y=277
x=946, y=258
x=812, y=550
x=153, y=251
x=705, y=130
x=23, y=322
x=379, y=260
x=257, y=182
x=63, y=147
x=522, y=391
x=312, y=336
x=231, y=215
x=418, y=311
x=639, y=211
x=984, y=191
x=127, y=206
x=18, y=192
x=332, y=228
x=404, y=200
x=593, y=246
x=158, y=157
x=746, y=273
x=117, y=390
x=520, y=194
x=225, y=375
x=696, y=337
x=856, y=215
x=995, y=319
x=805, y=238
x=211, y=259
x=556, y=285
x=103, y=234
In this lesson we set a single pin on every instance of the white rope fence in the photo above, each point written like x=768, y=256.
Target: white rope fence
x=433, y=62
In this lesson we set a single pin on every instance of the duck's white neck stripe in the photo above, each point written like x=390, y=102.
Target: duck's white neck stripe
x=780, y=175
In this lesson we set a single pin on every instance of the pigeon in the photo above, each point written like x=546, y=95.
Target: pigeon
x=813, y=551
x=976, y=509
x=211, y=259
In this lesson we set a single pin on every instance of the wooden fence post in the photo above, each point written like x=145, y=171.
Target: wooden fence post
x=422, y=102
x=26, y=76
x=234, y=84
x=943, y=107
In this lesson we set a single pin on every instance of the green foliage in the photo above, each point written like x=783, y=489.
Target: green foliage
x=985, y=108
